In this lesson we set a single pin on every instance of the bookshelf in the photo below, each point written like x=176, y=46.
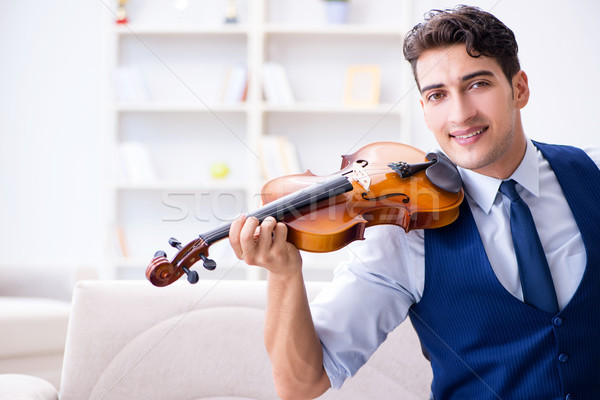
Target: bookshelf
x=170, y=69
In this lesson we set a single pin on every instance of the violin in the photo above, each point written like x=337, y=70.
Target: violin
x=382, y=183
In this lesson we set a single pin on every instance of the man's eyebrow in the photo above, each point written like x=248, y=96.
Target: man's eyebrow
x=463, y=79
x=478, y=73
x=435, y=86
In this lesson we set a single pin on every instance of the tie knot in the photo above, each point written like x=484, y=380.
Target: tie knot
x=508, y=189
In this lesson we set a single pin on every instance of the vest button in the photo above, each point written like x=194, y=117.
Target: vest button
x=557, y=321
x=563, y=358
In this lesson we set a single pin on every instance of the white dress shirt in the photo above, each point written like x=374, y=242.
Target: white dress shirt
x=372, y=292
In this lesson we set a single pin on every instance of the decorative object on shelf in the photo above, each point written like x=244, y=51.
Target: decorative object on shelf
x=231, y=12
x=336, y=11
x=219, y=170
x=363, y=84
x=122, y=12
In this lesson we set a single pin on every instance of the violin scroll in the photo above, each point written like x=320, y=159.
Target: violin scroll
x=162, y=272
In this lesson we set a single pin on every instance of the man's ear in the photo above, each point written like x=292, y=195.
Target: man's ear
x=521, y=89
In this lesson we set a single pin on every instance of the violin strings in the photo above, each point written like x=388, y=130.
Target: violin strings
x=269, y=209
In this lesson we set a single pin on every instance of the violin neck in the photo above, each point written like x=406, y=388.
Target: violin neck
x=290, y=204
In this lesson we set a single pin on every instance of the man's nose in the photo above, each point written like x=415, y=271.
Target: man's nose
x=462, y=110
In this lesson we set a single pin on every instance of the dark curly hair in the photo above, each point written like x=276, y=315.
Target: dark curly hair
x=481, y=32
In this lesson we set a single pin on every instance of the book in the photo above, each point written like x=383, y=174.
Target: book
x=278, y=157
x=276, y=86
x=136, y=163
x=130, y=85
x=119, y=242
x=235, y=84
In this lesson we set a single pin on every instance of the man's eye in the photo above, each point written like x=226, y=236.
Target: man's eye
x=479, y=84
x=435, y=96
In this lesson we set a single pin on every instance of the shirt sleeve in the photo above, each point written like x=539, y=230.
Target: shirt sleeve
x=369, y=296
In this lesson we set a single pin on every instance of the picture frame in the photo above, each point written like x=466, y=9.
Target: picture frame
x=362, y=86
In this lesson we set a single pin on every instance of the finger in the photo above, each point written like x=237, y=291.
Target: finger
x=247, y=241
x=234, y=235
x=265, y=236
x=280, y=234
x=256, y=233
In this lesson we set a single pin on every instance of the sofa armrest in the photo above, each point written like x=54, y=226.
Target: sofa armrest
x=22, y=387
x=52, y=281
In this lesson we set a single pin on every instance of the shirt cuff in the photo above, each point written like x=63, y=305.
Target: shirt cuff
x=336, y=376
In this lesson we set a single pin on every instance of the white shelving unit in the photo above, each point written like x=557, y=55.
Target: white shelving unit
x=171, y=68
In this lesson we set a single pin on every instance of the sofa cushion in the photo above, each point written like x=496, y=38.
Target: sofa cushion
x=115, y=327
x=221, y=348
x=23, y=319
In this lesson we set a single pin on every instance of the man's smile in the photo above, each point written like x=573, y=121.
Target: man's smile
x=469, y=133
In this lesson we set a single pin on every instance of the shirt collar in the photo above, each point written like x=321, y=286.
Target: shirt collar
x=483, y=189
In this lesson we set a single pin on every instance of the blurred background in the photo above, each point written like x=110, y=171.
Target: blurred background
x=66, y=114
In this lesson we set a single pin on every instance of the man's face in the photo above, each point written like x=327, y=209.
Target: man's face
x=472, y=109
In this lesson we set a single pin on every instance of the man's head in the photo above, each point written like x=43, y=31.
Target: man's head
x=481, y=32
x=472, y=88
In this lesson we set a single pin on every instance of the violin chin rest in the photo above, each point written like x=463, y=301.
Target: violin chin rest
x=443, y=173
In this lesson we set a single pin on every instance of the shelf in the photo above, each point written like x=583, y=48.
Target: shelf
x=272, y=29
x=306, y=108
x=317, y=108
x=333, y=30
x=185, y=108
x=137, y=30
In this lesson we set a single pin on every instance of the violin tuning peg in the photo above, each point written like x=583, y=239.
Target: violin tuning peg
x=160, y=253
x=175, y=243
x=208, y=263
x=192, y=276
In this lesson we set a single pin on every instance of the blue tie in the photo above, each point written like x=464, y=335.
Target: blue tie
x=536, y=281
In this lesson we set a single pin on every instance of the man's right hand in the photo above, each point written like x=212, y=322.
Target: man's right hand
x=264, y=245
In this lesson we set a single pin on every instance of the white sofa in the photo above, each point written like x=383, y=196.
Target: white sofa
x=34, y=313
x=130, y=340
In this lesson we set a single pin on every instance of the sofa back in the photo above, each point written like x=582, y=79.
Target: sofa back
x=130, y=340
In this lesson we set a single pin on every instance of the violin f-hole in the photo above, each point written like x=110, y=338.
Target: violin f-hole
x=405, y=200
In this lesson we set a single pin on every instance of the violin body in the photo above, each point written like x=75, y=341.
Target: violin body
x=413, y=203
x=382, y=183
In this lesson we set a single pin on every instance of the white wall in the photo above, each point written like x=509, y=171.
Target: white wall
x=51, y=115
x=52, y=99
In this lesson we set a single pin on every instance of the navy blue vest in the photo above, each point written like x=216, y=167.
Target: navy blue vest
x=483, y=343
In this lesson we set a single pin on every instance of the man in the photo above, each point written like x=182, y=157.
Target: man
x=493, y=322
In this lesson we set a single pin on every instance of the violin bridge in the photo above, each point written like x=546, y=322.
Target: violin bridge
x=360, y=175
